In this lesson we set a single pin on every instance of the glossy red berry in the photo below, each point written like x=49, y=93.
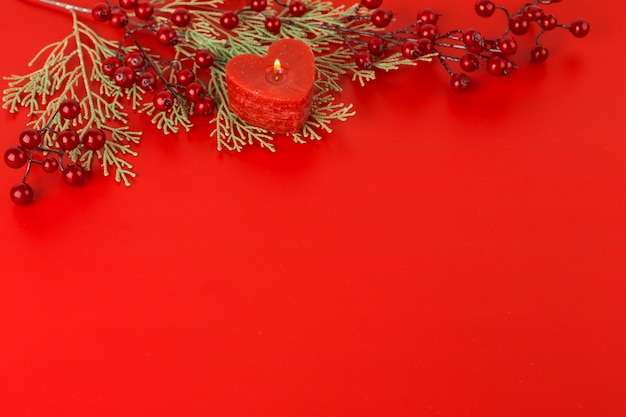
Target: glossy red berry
x=297, y=8
x=124, y=77
x=181, y=17
x=144, y=10
x=118, y=19
x=427, y=31
x=363, y=60
x=185, y=76
x=30, y=139
x=101, y=12
x=134, y=60
x=68, y=140
x=194, y=91
x=272, y=24
x=110, y=65
x=74, y=175
x=518, y=24
x=498, y=65
x=579, y=28
x=258, y=5
x=128, y=4
x=376, y=46
x=94, y=139
x=532, y=12
x=381, y=18
x=204, y=58
x=21, y=194
x=538, y=54
x=548, y=22
x=229, y=20
x=459, y=82
x=485, y=8
x=15, y=157
x=410, y=50
x=49, y=165
x=163, y=100
x=425, y=46
x=371, y=4
x=469, y=63
x=147, y=80
x=69, y=109
x=427, y=15
x=204, y=106
x=166, y=36
x=474, y=41
x=507, y=45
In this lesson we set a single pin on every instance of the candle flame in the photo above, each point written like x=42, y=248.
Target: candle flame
x=277, y=67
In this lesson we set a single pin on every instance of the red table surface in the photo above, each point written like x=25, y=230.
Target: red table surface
x=436, y=255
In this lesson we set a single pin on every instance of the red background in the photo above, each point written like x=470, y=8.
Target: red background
x=436, y=255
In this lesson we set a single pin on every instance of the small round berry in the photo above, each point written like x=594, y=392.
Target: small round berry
x=427, y=31
x=166, y=36
x=507, y=45
x=15, y=157
x=144, y=10
x=119, y=19
x=94, y=139
x=229, y=20
x=498, y=65
x=425, y=46
x=194, y=91
x=297, y=8
x=147, y=80
x=128, y=4
x=272, y=24
x=381, y=18
x=68, y=140
x=485, y=8
x=30, y=138
x=21, y=194
x=101, y=12
x=410, y=50
x=74, y=175
x=427, y=15
x=469, y=63
x=532, y=12
x=110, y=65
x=538, y=54
x=181, y=17
x=258, y=5
x=69, y=108
x=548, y=22
x=204, y=58
x=459, y=82
x=124, y=77
x=163, y=100
x=185, y=76
x=363, y=60
x=518, y=24
x=371, y=4
x=135, y=60
x=204, y=106
x=49, y=165
x=376, y=46
x=579, y=28
x=474, y=41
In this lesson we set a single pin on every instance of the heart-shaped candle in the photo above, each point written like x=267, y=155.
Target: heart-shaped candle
x=273, y=92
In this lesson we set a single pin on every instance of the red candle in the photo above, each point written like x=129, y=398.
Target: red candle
x=273, y=92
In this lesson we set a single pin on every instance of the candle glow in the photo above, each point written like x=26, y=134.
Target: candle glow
x=277, y=69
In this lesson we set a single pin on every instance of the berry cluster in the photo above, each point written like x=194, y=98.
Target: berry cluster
x=296, y=8
x=33, y=151
x=170, y=80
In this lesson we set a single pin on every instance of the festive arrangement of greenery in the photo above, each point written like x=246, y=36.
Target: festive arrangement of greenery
x=169, y=57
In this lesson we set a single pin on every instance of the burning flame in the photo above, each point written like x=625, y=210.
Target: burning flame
x=277, y=67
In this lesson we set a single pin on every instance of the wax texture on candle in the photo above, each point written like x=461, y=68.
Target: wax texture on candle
x=279, y=103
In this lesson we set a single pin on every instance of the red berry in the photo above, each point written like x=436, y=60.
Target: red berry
x=459, y=82
x=21, y=194
x=124, y=77
x=166, y=36
x=194, y=91
x=363, y=60
x=428, y=16
x=533, y=12
x=539, y=54
x=181, y=17
x=371, y=4
x=68, y=140
x=69, y=108
x=507, y=45
x=144, y=10
x=147, y=80
x=204, y=59
x=229, y=20
x=427, y=31
x=498, y=65
x=484, y=8
x=425, y=46
x=163, y=100
x=50, y=165
x=376, y=46
x=469, y=63
x=272, y=24
x=518, y=24
x=579, y=28
x=101, y=12
x=128, y=4
x=410, y=50
x=204, y=106
x=119, y=19
x=381, y=18
x=110, y=65
x=473, y=40
x=185, y=76
x=258, y=5
x=134, y=60
x=548, y=22
x=15, y=157
x=94, y=139
x=30, y=138
x=74, y=175
x=297, y=8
